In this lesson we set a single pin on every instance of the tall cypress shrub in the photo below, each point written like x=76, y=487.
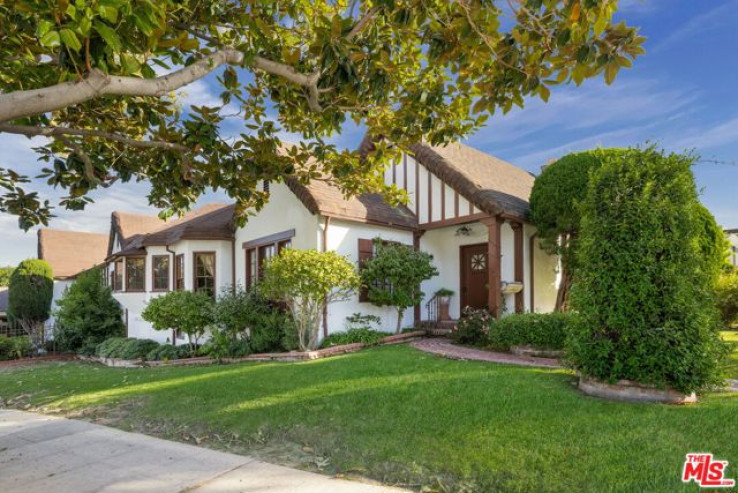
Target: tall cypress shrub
x=30, y=291
x=644, y=288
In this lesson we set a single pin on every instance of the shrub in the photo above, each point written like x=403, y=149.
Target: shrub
x=30, y=292
x=306, y=280
x=472, y=327
x=363, y=335
x=87, y=314
x=15, y=347
x=126, y=348
x=644, y=288
x=6, y=347
x=727, y=298
x=540, y=330
x=5, y=273
x=166, y=352
x=393, y=276
x=187, y=311
x=555, y=208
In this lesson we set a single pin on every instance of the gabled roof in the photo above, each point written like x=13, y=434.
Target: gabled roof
x=209, y=222
x=71, y=252
x=320, y=197
x=491, y=184
x=731, y=231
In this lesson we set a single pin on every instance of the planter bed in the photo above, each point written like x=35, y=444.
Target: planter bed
x=36, y=359
x=535, y=352
x=627, y=390
x=287, y=356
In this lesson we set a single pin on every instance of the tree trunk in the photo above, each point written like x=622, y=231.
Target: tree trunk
x=400, y=313
x=562, y=297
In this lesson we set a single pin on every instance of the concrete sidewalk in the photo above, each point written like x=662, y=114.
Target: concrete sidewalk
x=42, y=454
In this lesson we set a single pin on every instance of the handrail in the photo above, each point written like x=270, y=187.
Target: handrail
x=433, y=309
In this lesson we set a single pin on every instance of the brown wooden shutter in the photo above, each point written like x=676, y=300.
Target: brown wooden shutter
x=366, y=252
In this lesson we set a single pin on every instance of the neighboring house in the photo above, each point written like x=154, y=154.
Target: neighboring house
x=732, y=235
x=70, y=253
x=467, y=208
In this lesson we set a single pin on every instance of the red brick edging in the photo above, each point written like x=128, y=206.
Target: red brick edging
x=287, y=356
x=447, y=349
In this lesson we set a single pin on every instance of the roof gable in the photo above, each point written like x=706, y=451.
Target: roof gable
x=71, y=252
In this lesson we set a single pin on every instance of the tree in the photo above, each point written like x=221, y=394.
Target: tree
x=87, y=314
x=306, y=280
x=555, y=209
x=644, y=289
x=97, y=79
x=5, y=273
x=186, y=311
x=30, y=292
x=393, y=277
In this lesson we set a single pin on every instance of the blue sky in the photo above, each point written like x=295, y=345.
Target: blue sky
x=681, y=95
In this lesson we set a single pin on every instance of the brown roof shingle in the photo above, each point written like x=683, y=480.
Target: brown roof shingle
x=320, y=197
x=491, y=184
x=71, y=252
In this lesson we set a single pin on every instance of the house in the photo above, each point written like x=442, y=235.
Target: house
x=70, y=253
x=466, y=208
x=732, y=235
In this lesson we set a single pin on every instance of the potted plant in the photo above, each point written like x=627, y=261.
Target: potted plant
x=444, y=300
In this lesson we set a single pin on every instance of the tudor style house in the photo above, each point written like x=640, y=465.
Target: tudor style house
x=466, y=208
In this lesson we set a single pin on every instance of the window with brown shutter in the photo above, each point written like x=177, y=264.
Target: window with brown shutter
x=366, y=252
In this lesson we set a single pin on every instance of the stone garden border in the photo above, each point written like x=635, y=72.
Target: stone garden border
x=287, y=356
x=628, y=390
x=534, y=352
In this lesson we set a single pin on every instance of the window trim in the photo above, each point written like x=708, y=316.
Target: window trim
x=215, y=270
x=177, y=277
x=127, y=283
x=278, y=241
x=154, y=289
x=119, y=262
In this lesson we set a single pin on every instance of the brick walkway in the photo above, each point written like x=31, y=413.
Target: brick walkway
x=447, y=349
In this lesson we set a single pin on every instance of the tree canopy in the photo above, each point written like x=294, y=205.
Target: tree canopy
x=97, y=78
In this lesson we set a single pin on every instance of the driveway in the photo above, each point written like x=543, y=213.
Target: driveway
x=42, y=454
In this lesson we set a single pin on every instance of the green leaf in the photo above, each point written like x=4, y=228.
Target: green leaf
x=611, y=71
x=108, y=12
x=70, y=39
x=108, y=34
x=43, y=27
x=51, y=39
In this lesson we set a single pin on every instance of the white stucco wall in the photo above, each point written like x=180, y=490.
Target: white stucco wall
x=284, y=211
x=60, y=286
x=133, y=303
x=343, y=237
x=733, y=239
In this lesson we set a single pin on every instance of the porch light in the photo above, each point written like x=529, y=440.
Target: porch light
x=464, y=231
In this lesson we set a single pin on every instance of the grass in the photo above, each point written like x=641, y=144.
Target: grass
x=399, y=415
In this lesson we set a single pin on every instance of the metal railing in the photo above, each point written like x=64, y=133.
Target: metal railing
x=433, y=311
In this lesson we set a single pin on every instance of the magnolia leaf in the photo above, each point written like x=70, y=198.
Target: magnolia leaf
x=70, y=39
x=108, y=34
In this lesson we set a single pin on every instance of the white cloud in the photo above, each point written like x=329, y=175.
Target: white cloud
x=720, y=16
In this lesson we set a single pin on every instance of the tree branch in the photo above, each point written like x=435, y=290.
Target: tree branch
x=362, y=23
x=30, y=131
x=22, y=104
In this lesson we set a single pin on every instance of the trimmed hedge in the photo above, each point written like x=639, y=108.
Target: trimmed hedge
x=539, y=330
x=363, y=335
x=166, y=352
x=727, y=298
x=126, y=348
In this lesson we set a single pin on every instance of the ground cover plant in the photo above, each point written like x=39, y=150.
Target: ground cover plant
x=400, y=416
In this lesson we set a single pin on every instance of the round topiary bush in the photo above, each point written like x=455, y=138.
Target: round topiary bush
x=555, y=204
x=644, y=285
x=30, y=291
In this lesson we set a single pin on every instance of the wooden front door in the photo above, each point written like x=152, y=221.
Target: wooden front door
x=474, y=276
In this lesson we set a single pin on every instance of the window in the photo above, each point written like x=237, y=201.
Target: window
x=367, y=249
x=118, y=275
x=160, y=273
x=179, y=268
x=136, y=274
x=204, y=279
x=265, y=186
x=258, y=252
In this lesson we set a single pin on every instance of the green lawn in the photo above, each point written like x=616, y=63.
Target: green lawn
x=399, y=415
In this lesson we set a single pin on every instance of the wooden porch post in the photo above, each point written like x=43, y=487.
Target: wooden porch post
x=519, y=265
x=416, y=308
x=494, y=267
